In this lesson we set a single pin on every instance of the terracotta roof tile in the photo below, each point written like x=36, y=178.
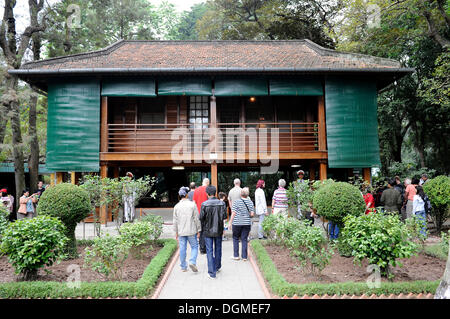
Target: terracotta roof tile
x=302, y=54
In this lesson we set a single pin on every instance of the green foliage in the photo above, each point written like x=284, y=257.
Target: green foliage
x=156, y=222
x=141, y=233
x=438, y=191
x=310, y=247
x=70, y=203
x=51, y=290
x=381, y=238
x=107, y=255
x=33, y=243
x=337, y=200
x=409, y=170
x=279, y=228
x=186, y=26
x=281, y=287
x=4, y=220
x=440, y=250
x=414, y=227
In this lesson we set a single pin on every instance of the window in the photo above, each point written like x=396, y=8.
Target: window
x=151, y=111
x=199, y=111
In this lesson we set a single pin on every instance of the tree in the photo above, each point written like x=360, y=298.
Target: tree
x=186, y=27
x=14, y=52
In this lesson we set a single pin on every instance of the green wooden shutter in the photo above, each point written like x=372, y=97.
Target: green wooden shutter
x=73, y=126
x=241, y=87
x=296, y=87
x=128, y=87
x=351, y=121
x=185, y=86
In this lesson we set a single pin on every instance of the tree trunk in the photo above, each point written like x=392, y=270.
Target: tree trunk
x=17, y=144
x=443, y=290
x=33, y=161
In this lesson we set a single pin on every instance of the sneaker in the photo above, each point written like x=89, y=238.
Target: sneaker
x=225, y=238
x=193, y=267
x=183, y=269
x=218, y=270
x=235, y=258
x=244, y=259
x=211, y=277
x=203, y=252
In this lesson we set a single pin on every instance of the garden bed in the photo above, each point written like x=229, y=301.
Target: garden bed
x=342, y=269
x=142, y=287
x=132, y=270
x=290, y=286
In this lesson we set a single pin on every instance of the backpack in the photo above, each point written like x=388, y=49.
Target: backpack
x=427, y=205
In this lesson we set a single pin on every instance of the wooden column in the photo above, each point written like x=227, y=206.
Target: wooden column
x=323, y=170
x=103, y=212
x=312, y=172
x=214, y=178
x=322, y=124
x=367, y=174
x=116, y=172
x=59, y=177
x=213, y=114
x=52, y=179
x=73, y=178
x=104, y=125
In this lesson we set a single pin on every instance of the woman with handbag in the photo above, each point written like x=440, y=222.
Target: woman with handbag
x=26, y=208
x=240, y=222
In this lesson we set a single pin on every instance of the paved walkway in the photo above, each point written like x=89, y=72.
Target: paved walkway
x=236, y=279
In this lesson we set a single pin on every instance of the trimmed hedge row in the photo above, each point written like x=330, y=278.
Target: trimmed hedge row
x=281, y=287
x=52, y=290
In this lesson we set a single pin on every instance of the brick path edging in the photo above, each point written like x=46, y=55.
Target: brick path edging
x=364, y=296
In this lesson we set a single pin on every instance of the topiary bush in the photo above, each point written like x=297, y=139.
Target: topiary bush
x=71, y=204
x=33, y=243
x=381, y=238
x=334, y=201
x=438, y=191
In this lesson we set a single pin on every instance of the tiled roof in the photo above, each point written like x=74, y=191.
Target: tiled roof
x=215, y=55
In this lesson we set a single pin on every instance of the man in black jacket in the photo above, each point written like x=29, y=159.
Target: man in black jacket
x=212, y=215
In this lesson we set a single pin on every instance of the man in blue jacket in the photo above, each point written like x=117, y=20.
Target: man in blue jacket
x=212, y=215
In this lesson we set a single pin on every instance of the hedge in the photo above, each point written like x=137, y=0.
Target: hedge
x=52, y=290
x=281, y=287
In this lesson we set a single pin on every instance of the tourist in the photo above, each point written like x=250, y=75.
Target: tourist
x=235, y=192
x=186, y=225
x=241, y=213
x=191, y=191
x=199, y=197
x=419, y=208
x=224, y=198
x=8, y=201
x=41, y=188
x=410, y=191
x=368, y=198
x=391, y=199
x=301, y=212
x=212, y=215
x=261, y=206
x=280, y=199
x=423, y=179
x=26, y=208
x=129, y=198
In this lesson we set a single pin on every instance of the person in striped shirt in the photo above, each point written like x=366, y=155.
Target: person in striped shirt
x=240, y=222
x=280, y=199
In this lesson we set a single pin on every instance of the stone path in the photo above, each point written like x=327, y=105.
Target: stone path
x=236, y=280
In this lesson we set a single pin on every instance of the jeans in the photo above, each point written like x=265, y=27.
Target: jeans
x=333, y=230
x=213, y=254
x=423, y=217
x=260, y=228
x=202, y=243
x=240, y=231
x=183, y=246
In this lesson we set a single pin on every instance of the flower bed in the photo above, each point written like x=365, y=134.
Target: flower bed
x=99, y=289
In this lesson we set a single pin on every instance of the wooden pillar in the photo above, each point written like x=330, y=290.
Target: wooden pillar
x=322, y=124
x=104, y=125
x=59, y=177
x=116, y=172
x=52, y=179
x=103, y=211
x=323, y=170
x=367, y=174
x=312, y=172
x=214, y=178
x=73, y=178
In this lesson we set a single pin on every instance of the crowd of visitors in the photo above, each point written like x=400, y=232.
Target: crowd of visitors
x=27, y=202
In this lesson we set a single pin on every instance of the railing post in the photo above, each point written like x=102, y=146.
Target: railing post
x=135, y=138
x=292, y=142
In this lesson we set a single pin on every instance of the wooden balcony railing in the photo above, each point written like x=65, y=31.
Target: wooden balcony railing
x=237, y=137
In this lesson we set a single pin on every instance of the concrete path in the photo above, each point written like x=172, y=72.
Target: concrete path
x=236, y=279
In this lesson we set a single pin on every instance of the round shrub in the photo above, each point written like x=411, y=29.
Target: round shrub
x=70, y=203
x=438, y=191
x=33, y=243
x=337, y=200
x=381, y=238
